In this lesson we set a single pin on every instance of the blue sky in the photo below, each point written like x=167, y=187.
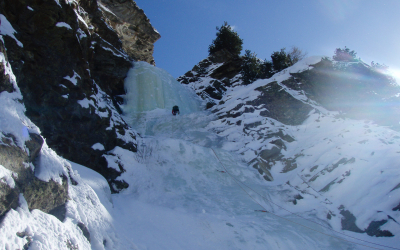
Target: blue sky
x=187, y=28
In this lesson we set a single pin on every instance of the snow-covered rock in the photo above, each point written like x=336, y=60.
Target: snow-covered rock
x=313, y=130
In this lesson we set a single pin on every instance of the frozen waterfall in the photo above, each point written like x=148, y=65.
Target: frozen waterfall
x=150, y=88
x=178, y=191
x=151, y=94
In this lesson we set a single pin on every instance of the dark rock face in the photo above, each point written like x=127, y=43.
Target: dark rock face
x=85, y=231
x=222, y=56
x=228, y=70
x=330, y=168
x=281, y=105
x=349, y=222
x=133, y=28
x=39, y=194
x=71, y=72
x=272, y=154
x=263, y=168
x=215, y=90
x=224, y=75
x=373, y=229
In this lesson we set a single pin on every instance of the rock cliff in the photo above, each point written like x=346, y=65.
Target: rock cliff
x=62, y=70
x=19, y=154
x=70, y=59
x=133, y=28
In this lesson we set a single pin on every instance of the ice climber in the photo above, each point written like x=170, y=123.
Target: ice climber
x=175, y=110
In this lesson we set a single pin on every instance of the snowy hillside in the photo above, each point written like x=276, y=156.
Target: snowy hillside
x=345, y=170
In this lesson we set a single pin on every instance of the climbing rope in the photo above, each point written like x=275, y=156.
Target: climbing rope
x=265, y=210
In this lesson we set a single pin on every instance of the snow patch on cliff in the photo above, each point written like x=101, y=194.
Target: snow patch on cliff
x=7, y=30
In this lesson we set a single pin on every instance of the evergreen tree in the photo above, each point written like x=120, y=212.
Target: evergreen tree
x=251, y=68
x=227, y=39
x=280, y=60
x=267, y=69
x=345, y=55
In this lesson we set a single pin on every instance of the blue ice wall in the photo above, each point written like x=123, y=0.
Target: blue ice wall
x=149, y=88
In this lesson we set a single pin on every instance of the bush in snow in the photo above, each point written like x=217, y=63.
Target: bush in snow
x=296, y=54
x=144, y=152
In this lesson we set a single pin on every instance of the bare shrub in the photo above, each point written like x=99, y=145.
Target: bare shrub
x=144, y=152
x=296, y=54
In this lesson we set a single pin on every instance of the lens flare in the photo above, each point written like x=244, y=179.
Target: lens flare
x=395, y=73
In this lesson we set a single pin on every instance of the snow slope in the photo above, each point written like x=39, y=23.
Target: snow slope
x=352, y=164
